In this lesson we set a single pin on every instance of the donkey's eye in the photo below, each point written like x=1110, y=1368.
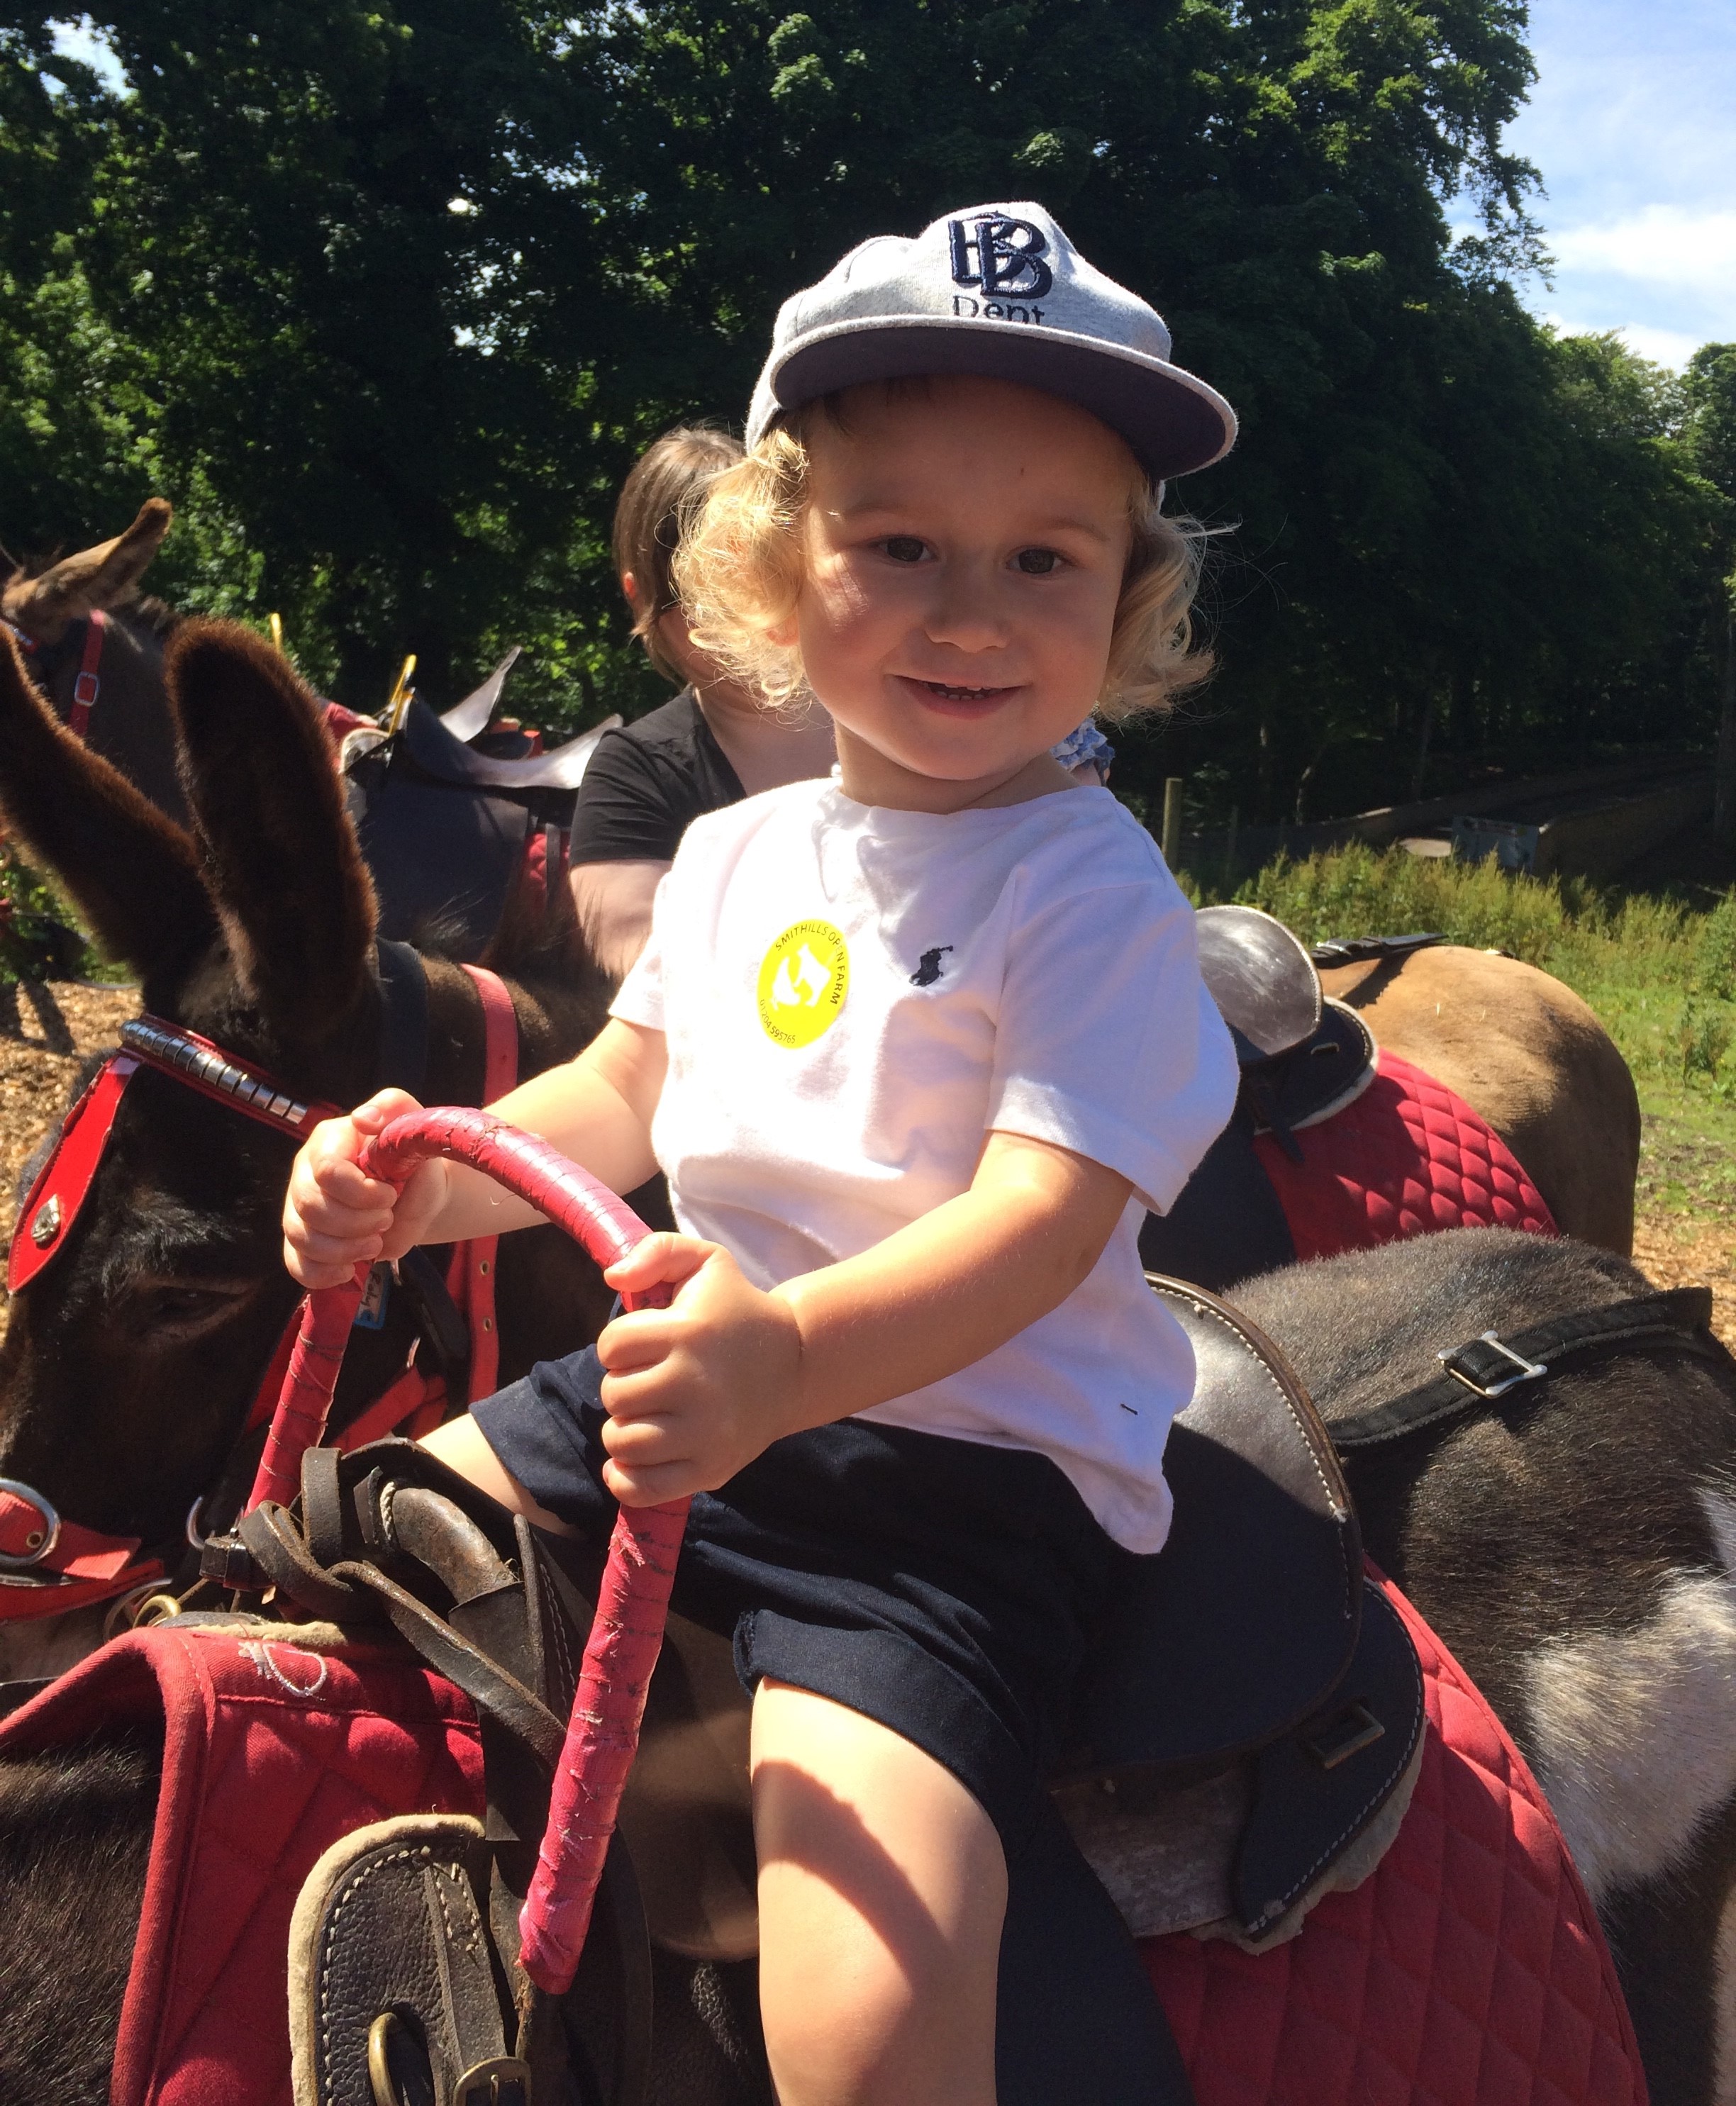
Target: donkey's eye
x=170, y=1309
x=1038, y=562
x=174, y=1302
x=904, y=549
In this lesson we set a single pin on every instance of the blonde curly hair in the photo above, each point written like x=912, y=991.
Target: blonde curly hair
x=739, y=572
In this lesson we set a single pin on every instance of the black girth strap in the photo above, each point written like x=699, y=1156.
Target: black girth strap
x=403, y=1017
x=1491, y=1366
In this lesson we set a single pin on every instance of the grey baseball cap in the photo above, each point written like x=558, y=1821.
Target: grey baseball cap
x=998, y=290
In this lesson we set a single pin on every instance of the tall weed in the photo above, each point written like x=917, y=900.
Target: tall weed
x=1355, y=891
x=1715, y=956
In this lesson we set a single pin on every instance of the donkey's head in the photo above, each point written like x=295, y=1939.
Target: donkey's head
x=132, y=1358
x=117, y=667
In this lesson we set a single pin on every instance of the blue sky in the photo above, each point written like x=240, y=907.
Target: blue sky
x=1632, y=125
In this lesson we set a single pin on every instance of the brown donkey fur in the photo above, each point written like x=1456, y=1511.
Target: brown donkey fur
x=130, y=1362
x=52, y=608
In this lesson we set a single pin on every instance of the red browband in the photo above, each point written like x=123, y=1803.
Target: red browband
x=64, y=1182
x=48, y=1566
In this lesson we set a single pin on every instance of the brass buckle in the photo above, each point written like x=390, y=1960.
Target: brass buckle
x=502, y=2080
x=1526, y=1370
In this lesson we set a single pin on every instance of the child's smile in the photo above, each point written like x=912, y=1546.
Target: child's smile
x=966, y=540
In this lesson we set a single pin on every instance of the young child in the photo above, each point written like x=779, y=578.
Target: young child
x=915, y=1048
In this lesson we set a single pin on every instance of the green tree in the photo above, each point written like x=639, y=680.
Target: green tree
x=388, y=296
x=1711, y=436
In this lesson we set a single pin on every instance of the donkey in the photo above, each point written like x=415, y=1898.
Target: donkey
x=130, y=1364
x=51, y=610
x=1575, y=1545
x=1531, y=1058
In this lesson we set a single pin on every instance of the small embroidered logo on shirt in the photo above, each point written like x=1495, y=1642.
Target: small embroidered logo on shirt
x=804, y=979
x=929, y=967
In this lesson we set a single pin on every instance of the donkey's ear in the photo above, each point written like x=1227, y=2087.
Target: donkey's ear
x=102, y=576
x=281, y=859
x=133, y=873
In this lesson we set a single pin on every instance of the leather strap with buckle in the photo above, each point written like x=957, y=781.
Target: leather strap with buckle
x=1490, y=1366
x=88, y=685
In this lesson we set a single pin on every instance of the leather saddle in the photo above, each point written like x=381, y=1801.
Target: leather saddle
x=444, y=822
x=1244, y=1740
x=444, y=755
x=1247, y=1731
x=404, y=1981
x=1303, y=1057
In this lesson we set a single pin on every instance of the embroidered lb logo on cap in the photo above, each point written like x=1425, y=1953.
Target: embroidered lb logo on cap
x=804, y=979
x=1001, y=255
x=996, y=291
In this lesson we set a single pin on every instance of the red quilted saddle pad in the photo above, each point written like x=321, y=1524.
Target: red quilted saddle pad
x=1405, y=1156
x=271, y=1753
x=1469, y=1970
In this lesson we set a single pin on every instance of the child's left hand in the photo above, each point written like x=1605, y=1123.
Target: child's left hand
x=695, y=1392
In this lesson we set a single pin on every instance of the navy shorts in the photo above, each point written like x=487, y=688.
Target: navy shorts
x=943, y=1587
x=947, y=1589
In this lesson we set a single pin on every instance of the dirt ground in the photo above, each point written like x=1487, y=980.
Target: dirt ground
x=34, y=1085
x=1679, y=1253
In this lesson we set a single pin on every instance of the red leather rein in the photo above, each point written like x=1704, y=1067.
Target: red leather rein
x=602, y=1733
x=49, y=1566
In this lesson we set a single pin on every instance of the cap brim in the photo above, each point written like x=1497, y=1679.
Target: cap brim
x=1172, y=421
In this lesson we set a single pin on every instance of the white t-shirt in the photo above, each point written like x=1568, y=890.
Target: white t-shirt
x=852, y=996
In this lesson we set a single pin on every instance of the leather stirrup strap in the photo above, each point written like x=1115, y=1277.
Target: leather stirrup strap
x=1490, y=1366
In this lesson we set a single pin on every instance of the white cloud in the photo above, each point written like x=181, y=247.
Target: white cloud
x=1662, y=347
x=1671, y=348
x=1690, y=251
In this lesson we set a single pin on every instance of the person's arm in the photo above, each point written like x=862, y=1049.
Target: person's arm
x=613, y=901
x=596, y=1109
x=695, y=1392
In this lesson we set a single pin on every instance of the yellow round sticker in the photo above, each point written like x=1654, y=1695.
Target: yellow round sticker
x=803, y=982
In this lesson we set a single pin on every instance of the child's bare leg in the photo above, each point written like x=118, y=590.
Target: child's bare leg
x=882, y=1888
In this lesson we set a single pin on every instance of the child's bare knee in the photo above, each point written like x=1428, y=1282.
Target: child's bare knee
x=882, y=1888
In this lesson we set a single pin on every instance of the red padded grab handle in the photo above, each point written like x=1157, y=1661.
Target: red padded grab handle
x=605, y=1225
x=602, y=1734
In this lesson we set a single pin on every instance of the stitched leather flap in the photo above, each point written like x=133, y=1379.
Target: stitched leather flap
x=1244, y=1623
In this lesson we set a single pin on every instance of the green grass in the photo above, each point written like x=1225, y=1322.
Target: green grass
x=1688, y=1157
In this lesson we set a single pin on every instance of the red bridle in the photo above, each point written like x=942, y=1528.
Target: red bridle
x=88, y=685
x=49, y=1566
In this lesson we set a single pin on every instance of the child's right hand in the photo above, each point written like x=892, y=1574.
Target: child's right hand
x=335, y=1218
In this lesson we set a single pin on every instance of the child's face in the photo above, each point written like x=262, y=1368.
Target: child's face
x=965, y=544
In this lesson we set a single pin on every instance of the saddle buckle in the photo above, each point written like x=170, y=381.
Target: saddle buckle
x=1478, y=1379
x=502, y=2080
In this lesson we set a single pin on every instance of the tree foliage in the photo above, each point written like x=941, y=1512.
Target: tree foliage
x=387, y=294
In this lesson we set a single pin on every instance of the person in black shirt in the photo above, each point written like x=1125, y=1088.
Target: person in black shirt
x=714, y=744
